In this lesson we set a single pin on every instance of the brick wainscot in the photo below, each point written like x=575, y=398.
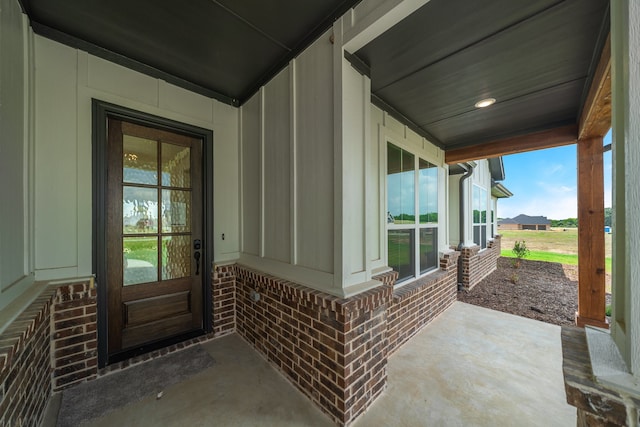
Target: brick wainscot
x=477, y=264
x=333, y=349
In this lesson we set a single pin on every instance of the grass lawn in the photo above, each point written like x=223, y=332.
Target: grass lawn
x=557, y=245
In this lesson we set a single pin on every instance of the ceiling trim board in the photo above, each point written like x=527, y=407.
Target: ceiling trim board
x=379, y=102
x=595, y=119
x=550, y=138
x=127, y=62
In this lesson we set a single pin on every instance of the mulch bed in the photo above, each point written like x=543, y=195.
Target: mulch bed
x=543, y=291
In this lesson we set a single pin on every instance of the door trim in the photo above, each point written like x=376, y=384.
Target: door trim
x=101, y=111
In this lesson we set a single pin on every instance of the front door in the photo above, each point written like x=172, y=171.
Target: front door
x=154, y=236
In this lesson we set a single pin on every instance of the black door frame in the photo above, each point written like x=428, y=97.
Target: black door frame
x=101, y=111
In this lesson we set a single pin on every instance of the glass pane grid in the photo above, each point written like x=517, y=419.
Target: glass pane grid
x=156, y=212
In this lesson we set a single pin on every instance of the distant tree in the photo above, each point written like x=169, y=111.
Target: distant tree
x=565, y=223
x=607, y=217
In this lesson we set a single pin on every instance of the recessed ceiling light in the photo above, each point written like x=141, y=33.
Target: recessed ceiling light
x=485, y=102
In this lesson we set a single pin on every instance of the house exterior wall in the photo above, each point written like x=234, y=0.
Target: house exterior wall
x=287, y=155
x=509, y=227
x=67, y=79
x=16, y=210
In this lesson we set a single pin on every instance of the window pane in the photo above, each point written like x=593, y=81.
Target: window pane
x=476, y=204
x=140, y=260
x=483, y=206
x=476, y=234
x=140, y=160
x=428, y=249
x=176, y=257
x=428, y=195
x=139, y=210
x=176, y=211
x=483, y=236
x=176, y=166
x=400, y=186
x=401, y=253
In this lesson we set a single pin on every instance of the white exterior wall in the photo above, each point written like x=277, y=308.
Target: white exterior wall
x=16, y=153
x=66, y=80
x=625, y=79
x=287, y=159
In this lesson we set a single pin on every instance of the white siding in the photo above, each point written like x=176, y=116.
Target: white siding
x=625, y=81
x=16, y=255
x=288, y=171
x=251, y=175
x=315, y=156
x=277, y=168
x=66, y=81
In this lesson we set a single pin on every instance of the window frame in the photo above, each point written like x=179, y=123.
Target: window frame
x=483, y=244
x=416, y=226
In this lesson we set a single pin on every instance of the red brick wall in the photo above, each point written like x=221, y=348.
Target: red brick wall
x=25, y=368
x=332, y=349
x=73, y=335
x=224, y=299
x=418, y=303
x=476, y=264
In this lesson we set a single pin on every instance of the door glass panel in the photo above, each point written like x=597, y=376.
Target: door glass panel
x=140, y=260
x=139, y=210
x=140, y=160
x=176, y=166
x=176, y=257
x=176, y=211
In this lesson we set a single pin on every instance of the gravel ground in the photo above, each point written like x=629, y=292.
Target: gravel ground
x=543, y=291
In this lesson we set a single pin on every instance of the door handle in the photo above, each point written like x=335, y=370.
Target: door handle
x=196, y=255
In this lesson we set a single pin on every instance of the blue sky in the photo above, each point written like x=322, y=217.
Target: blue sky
x=544, y=182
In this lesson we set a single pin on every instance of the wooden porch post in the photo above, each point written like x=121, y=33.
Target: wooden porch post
x=591, y=267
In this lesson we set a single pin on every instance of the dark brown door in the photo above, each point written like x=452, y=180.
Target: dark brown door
x=154, y=235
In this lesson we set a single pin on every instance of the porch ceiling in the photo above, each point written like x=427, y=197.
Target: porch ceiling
x=536, y=58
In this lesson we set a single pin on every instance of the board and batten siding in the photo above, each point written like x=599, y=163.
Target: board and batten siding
x=67, y=79
x=287, y=169
x=16, y=153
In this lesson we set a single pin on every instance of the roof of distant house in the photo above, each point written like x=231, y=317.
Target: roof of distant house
x=526, y=219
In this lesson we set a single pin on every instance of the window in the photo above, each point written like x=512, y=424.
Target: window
x=479, y=205
x=412, y=213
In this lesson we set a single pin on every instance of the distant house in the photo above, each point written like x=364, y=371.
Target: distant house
x=525, y=222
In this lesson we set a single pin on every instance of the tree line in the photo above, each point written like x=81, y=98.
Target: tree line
x=573, y=222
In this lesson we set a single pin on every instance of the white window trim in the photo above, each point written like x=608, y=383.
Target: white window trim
x=487, y=222
x=386, y=139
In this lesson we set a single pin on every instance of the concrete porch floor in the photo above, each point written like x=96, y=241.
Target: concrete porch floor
x=470, y=367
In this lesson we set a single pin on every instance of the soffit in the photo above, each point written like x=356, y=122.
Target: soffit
x=535, y=57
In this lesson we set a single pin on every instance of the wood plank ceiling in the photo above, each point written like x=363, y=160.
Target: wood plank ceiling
x=536, y=58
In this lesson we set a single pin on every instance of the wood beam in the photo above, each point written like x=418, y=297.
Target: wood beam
x=591, y=266
x=595, y=119
x=564, y=135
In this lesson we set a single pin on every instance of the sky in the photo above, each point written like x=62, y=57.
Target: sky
x=544, y=182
